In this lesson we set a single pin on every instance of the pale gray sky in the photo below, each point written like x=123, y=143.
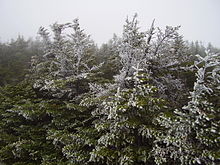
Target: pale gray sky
x=199, y=19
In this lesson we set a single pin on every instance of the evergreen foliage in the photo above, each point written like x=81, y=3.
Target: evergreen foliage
x=125, y=103
x=192, y=133
x=125, y=123
x=24, y=125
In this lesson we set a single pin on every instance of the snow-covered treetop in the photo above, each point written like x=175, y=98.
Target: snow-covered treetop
x=66, y=52
x=67, y=56
x=131, y=49
x=155, y=47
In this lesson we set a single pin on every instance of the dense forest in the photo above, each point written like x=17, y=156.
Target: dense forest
x=143, y=98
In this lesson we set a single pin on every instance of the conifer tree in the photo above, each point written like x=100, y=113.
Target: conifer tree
x=69, y=65
x=192, y=133
x=131, y=50
x=125, y=123
x=162, y=54
x=66, y=61
x=124, y=112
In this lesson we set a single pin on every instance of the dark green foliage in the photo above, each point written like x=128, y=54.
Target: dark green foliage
x=24, y=124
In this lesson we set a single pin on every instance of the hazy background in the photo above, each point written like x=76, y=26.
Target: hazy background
x=199, y=19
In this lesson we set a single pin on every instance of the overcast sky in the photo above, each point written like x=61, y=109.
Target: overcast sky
x=199, y=19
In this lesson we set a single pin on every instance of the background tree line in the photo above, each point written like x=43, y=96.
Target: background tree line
x=15, y=57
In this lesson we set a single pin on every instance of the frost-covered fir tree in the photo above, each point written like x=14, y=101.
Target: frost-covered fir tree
x=117, y=106
x=169, y=58
x=192, y=133
x=124, y=122
x=162, y=54
x=131, y=50
x=64, y=74
x=67, y=59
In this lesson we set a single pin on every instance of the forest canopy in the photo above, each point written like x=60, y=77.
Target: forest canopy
x=145, y=97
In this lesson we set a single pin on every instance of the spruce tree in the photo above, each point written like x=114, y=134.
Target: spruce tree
x=125, y=123
x=192, y=133
x=67, y=69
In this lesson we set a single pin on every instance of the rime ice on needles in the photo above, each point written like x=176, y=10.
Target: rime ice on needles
x=131, y=49
x=193, y=132
x=66, y=58
x=124, y=117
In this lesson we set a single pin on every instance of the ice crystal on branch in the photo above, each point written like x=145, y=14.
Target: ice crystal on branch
x=156, y=52
x=192, y=135
x=66, y=60
x=125, y=122
x=131, y=49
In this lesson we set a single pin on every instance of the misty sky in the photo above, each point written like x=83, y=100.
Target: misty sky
x=199, y=19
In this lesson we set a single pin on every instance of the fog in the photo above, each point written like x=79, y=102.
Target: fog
x=199, y=19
